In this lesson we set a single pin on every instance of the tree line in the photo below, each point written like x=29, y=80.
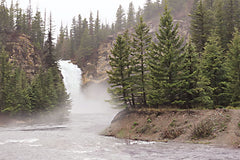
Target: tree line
x=19, y=94
x=165, y=71
x=81, y=41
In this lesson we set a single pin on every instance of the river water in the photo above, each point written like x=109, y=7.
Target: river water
x=78, y=137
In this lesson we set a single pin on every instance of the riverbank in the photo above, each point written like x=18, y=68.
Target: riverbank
x=219, y=127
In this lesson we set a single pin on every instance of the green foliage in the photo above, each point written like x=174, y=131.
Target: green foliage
x=189, y=91
x=163, y=63
x=131, y=16
x=149, y=120
x=201, y=25
x=233, y=62
x=47, y=91
x=118, y=75
x=141, y=44
x=20, y=95
x=215, y=71
x=202, y=74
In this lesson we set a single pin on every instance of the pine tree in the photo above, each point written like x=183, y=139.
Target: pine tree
x=163, y=63
x=37, y=35
x=11, y=17
x=214, y=69
x=131, y=16
x=120, y=15
x=118, y=75
x=188, y=92
x=139, y=14
x=91, y=26
x=5, y=74
x=4, y=22
x=141, y=44
x=49, y=59
x=201, y=25
x=97, y=30
x=234, y=69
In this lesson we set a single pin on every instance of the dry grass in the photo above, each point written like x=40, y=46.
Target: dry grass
x=202, y=130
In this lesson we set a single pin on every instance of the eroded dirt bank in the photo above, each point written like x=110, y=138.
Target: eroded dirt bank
x=218, y=127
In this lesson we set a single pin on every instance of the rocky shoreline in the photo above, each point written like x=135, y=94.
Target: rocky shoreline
x=220, y=127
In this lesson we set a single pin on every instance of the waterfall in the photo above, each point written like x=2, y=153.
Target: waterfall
x=72, y=81
x=93, y=99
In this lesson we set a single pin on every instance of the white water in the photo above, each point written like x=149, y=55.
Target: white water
x=93, y=99
x=79, y=139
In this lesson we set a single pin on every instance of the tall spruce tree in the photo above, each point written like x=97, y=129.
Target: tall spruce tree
x=141, y=44
x=189, y=92
x=201, y=25
x=118, y=75
x=120, y=21
x=131, y=16
x=49, y=59
x=234, y=68
x=214, y=69
x=5, y=75
x=164, y=61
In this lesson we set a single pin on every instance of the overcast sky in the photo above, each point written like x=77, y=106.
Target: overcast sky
x=65, y=10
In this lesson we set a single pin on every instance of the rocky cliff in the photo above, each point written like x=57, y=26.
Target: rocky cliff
x=95, y=69
x=23, y=54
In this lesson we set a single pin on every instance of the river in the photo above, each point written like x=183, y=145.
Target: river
x=79, y=137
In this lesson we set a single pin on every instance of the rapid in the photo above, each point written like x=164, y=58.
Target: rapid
x=79, y=138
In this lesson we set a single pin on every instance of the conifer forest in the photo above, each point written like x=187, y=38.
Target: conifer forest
x=166, y=70
x=160, y=69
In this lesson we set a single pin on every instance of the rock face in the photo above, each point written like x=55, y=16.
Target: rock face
x=23, y=54
x=96, y=73
x=95, y=70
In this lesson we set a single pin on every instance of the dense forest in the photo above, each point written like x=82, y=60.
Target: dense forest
x=20, y=93
x=81, y=41
x=167, y=70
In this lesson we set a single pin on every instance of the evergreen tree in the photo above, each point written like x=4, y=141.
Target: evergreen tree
x=131, y=16
x=214, y=69
x=5, y=74
x=139, y=14
x=118, y=75
x=37, y=34
x=164, y=61
x=85, y=49
x=11, y=17
x=189, y=92
x=234, y=69
x=4, y=22
x=120, y=21
x=49, y=59
x=227, y=17
x=97, y=30
x=141, y=44
x=201, y=25
x=78, y=31
x=91, y=26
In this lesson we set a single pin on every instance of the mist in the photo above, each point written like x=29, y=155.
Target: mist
x=91, y=99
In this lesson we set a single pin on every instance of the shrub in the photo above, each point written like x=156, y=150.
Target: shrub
x=202, y=130
x=172, y=133
x=149, y=120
